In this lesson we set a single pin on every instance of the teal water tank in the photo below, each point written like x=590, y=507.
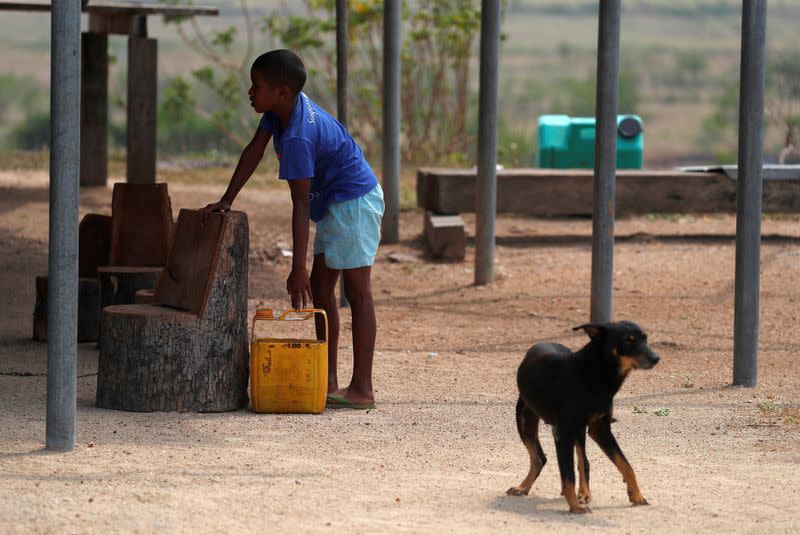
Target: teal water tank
x=568, y=142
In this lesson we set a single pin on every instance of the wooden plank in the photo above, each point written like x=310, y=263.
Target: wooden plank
x=94, y=109
x=25, y=6
x=149, y=9
x=142, y=88
x=186, y=283
x=123, y=8
x=141, y=225
x=569, y=192
x=120, y=24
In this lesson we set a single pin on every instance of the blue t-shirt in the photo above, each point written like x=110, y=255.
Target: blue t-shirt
x=315, y=145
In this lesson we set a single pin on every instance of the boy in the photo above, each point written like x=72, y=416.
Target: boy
x=332, y=184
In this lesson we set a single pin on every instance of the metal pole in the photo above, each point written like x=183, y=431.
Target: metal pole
x=391, y=119
x=748, y=193
x=605, y=158
x=341, y=61
x=341, y=91
x=486, y=194
x=62, y=291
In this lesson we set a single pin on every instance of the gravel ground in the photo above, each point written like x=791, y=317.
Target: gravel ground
x=439, y=451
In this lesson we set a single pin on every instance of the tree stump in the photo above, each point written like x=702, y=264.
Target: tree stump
x=444, y=236
x=146, y=297
x=190, y=351
x=88, y=306
x=119, y=284
x=94, y=242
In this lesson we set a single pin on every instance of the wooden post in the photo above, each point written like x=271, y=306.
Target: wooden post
x=142, y=93
x=94, y=109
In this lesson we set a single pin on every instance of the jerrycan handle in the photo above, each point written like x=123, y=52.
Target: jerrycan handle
x=265, y=314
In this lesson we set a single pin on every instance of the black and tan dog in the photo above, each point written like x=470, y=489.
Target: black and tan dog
x=573, y=391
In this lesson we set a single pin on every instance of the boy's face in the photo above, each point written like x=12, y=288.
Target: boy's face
x=264, y=96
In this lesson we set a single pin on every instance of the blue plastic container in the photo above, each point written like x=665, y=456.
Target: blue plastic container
x=568, y=142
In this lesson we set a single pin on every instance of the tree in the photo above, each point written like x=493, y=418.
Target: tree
x=579, y=97
x=782, y=98
x=438, y=39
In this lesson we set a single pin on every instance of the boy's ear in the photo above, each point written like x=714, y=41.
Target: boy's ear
x=594, y=330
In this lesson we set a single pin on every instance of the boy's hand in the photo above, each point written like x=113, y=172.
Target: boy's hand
x=221, y=206
x=299, y=287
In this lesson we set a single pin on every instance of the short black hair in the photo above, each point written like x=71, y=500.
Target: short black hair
x=282, y=67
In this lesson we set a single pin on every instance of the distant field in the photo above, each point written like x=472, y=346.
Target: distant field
x=547, y=42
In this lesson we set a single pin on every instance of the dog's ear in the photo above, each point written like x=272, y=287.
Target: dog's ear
x=594, y=330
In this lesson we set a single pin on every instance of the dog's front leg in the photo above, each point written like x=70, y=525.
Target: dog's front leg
x=600, y=431
x=584, y=495
x=565, y=450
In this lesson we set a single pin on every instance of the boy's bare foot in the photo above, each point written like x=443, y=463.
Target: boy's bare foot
x=354, y=396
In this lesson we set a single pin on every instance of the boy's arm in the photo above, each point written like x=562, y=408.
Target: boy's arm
x=298, y=284
x=248, y=161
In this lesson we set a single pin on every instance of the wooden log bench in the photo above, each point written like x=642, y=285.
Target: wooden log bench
x=568, y=192
x=94, y=242
x=141, y=233
x=118, y=255
x=188, y=351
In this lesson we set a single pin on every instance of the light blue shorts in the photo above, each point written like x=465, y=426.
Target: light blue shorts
x=350, y=231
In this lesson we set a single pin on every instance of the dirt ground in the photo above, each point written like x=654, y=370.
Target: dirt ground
x=441, y=448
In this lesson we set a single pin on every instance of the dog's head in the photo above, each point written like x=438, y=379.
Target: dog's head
x=623, y=341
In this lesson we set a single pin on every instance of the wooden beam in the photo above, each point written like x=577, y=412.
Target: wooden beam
x=121, y=24
x=118, y=8
x=142, y=92
x=94, y=109
x=25, y=6
x=149, y=9
x=569, y=192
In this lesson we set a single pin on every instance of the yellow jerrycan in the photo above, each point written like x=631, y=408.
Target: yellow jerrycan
x=288, y=375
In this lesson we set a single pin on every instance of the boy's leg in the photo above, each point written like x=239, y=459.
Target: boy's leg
x=358, y=290
x=323, y=285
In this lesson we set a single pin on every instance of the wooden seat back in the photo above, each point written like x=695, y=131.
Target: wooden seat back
x=141, y=225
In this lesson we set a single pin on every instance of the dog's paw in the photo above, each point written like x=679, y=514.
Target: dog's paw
x=517, y=491
x=637, y=499
x=579, y=510
x=584, y=497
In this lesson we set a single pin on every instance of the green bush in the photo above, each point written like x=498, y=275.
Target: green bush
x=33, y=132
x=192, y=135
x=578, y=97
x=515, y=148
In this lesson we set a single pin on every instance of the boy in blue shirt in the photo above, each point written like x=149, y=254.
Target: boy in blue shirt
x=332, y=184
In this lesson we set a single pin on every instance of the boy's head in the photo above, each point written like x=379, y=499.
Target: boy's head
x=277, y=77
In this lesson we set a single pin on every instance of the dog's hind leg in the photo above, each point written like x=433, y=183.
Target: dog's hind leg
x=528, y=427
x=566, y=439
x=584, y=496
x=600, y=431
